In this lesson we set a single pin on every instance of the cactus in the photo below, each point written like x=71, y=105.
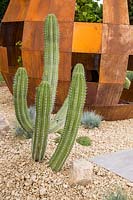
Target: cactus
x=74, y=113
x=129, y=75
x=20, y=101
x=51, y=54
x=43, y=107
x=127, y=84
x=59, y=120
x=69, y=114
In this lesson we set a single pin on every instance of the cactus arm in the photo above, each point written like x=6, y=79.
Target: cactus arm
x=20, y=94
x=75, y=107
x=59, y=120
x=129, y=75
x=127, y=84
x=43, y=106
x=51, y=54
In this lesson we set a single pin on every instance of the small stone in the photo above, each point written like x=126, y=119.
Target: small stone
x=81, y=172
x=4, y=125
x=42, y=191
x=130, y=184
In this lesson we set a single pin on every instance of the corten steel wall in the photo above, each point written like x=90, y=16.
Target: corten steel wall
x=24, y=21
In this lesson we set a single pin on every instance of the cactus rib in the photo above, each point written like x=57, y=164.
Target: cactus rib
x=51, y=54
x=75, y=107
x=20, y=100
x=43, y=106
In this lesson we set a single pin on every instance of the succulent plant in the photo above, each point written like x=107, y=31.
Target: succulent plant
x=119, y=195
x=84, y=141
x=70, y=112
x=91, y=120
x=76, y=101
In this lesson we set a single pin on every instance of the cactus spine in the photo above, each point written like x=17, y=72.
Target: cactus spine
x=75, y=107
x=51, y=54
x=43, y=107
x=20, y=101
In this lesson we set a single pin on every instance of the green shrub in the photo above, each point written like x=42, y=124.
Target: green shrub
x=91, y=119
x=88, y=11
x=84, y=141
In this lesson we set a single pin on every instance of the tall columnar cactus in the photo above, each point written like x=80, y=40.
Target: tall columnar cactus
x=20, y=99
x=75, y=107
x=51, y=53
x=43, y=107
x=69, y=114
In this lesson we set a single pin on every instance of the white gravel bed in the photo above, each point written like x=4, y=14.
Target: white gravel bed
x=23, y=179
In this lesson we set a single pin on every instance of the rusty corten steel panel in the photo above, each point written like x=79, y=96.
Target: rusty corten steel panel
x=113, y=68
x=3, y=60
x=16, y=11
x=108, y=94
x=116, y=39
x=115, y=12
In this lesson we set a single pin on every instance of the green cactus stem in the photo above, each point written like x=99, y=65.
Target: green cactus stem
x=20, y=88
x=76, y=101
x=59, y=120
x=51, y=54
x=40, y=133
x=127, y=84
x=129, y=75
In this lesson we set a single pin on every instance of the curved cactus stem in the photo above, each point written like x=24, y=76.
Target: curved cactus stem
x=127, y=83
x=59, y=120
x=76, y=101
x=43, y=106
x=129, y=75
x=20, y=100
x=51, y=54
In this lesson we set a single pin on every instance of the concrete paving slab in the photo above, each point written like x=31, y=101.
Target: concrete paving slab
x=120, y=163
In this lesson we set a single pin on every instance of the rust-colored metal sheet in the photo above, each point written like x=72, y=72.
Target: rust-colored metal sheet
x=3, y=60
x=115, y=112
x=16, y=11
x=115, y=12
x=87, y=37
x=108, y=94
x=116, y=39
x=113, y=68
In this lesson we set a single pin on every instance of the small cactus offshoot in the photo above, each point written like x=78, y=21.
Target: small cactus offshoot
x=91, y=120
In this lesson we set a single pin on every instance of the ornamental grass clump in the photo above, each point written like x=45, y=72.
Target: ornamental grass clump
x=91, y=120
x=84, y=141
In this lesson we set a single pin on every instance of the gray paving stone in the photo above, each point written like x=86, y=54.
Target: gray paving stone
x=120, y=163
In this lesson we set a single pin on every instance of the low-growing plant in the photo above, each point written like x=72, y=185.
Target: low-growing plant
x=84, y=141
x=119, y=195
x=91, y=120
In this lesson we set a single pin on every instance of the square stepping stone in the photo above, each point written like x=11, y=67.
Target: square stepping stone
x=120, y=162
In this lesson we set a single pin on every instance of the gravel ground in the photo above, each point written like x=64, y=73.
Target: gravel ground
x=23, y=179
